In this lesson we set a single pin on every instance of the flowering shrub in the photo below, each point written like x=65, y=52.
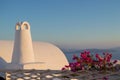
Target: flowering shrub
x=86, y=61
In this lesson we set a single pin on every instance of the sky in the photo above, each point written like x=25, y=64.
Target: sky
x=67, y=23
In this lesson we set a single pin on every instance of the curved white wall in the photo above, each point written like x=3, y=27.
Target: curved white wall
x=51, y=55
x=46, y=54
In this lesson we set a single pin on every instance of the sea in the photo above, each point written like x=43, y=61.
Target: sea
x=115, y=54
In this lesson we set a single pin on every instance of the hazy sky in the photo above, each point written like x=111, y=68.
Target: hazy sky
x=73, y=23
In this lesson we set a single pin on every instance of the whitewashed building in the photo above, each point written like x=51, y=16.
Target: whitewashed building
x=22, y=53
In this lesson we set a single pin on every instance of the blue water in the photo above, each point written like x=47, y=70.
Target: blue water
x=115, y=56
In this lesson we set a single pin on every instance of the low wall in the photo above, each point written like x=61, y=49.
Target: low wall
x=60, y=75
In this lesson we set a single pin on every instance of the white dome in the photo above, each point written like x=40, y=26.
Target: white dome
x=50, y=56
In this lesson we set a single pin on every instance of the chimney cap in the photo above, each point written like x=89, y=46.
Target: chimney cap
x=22, y=26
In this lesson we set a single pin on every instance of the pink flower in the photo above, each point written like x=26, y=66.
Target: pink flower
x=86, y=61
x=72, y=65
x=67, y=66
x=63, y=69
x=99, y=57
x=77, y=64
x=75, y=57
x=107, y=57
x=89, y=60
x=87, y=52
x=115, y=61
x=85, y=55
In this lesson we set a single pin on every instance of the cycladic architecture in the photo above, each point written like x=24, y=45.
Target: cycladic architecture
x=23, y=49
x=25, y=54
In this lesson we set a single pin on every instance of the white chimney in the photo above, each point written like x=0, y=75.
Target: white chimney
x=23, y=49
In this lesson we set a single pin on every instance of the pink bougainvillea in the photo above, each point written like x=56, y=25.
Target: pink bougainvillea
x=86, y=61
